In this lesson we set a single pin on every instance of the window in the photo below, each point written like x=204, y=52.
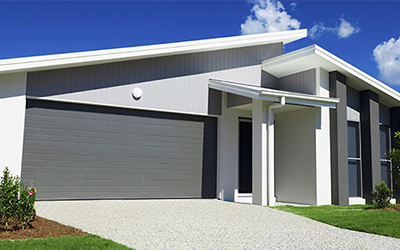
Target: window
x=354, y=159
x=386, y=175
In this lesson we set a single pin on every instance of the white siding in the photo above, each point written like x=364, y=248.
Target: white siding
x=12, y=113
x=176, y=83
x=295, y=156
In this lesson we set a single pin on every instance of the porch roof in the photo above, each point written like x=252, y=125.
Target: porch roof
x=274, y=95
x=316, y=57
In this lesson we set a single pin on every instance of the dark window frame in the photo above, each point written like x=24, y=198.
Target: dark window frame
x=384, y=160
x=356, y=159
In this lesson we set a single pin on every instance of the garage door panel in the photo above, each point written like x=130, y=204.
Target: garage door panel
x=76, y=151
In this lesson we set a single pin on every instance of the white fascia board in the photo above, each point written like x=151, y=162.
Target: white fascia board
x=272, y=95
x=315, y=57
x=113, y=55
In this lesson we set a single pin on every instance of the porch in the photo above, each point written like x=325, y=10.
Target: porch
x=261, y=163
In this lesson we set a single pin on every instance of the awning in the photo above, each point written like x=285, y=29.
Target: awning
x=273, y=95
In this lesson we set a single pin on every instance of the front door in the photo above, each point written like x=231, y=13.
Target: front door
x=245, y=156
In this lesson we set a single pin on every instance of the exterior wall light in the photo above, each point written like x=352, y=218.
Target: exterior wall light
x=137, y=93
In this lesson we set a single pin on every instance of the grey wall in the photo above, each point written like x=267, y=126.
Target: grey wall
x=79, y=151
x=370, y=142
x=269, y=81
x=237, y=100
x=295, y=179
x=339, y=147
x=172, y=83
x=395, y=126
x=302, y=82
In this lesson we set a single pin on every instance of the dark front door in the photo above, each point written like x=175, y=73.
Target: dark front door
x=245, y=156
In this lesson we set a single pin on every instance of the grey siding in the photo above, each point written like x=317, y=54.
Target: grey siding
x=370, y=142
x=174, y=83
x=237, y=100
x=269, y=81
x=302, y=82
x=339, y=146
x=79, y=151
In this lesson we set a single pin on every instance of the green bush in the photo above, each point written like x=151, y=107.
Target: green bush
x=382, y=195
x=17, y=201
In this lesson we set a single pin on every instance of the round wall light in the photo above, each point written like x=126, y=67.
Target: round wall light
x=137, y=93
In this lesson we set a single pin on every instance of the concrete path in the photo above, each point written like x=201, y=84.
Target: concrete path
x=204, y=224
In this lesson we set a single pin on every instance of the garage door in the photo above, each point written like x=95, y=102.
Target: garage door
x=87, y=152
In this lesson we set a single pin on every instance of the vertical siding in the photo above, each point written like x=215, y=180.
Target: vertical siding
x=302, y=82
x=176, y=83
x=237, y=100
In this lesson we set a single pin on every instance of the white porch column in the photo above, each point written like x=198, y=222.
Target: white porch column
x=227, y=151
x=260, y=147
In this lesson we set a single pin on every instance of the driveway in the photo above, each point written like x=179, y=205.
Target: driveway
x=204, y=224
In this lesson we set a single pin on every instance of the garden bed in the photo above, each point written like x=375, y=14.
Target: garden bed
x=41, y=228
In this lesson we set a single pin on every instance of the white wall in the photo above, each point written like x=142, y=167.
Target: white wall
x=322, y=144
x=12, y=113
x=228, y=151
x=295, y=156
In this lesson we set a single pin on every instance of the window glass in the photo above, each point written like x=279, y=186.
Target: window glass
x=354, y=178
x=353, y=139
x=385, y=173
x=384, y=137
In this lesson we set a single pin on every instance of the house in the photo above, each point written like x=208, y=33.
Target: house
x=229, y=118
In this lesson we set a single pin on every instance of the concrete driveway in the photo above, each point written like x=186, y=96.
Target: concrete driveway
x=204, y=224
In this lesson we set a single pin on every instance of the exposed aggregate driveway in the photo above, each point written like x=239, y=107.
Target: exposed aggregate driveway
x=204, y=224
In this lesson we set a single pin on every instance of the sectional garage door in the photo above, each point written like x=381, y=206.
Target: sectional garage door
x=86, y=152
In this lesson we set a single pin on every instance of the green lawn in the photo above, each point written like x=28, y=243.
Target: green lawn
x=354, y=217
x=66, y=242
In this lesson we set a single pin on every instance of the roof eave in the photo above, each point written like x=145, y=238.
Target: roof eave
x=37, y=63
x=312, y=56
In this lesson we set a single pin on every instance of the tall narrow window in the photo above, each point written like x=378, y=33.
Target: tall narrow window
x=354, y=159
x=385, y=164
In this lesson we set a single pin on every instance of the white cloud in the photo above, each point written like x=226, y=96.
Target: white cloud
x=387, y=57
x=344, y=30
x=268, y=16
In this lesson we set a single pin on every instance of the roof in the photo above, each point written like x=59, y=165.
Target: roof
x=316, y=57
x=36, y=63
x=274, y=95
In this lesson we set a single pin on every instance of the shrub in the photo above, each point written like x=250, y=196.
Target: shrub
x=381, y=195
x=17, y=201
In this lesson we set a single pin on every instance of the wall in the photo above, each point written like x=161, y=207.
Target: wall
x=228, y=149
x=295, y=156
x=323, y=143
x=302, y=82
x=173, y=83
x=12, y=113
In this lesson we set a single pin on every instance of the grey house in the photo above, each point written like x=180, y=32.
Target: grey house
x=229, y=118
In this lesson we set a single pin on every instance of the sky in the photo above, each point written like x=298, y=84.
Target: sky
x=364, y=33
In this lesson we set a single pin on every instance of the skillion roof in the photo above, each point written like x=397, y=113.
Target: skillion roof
x=37, y=63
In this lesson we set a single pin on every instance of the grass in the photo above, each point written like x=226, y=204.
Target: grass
x=354, y=217
x=65, y=242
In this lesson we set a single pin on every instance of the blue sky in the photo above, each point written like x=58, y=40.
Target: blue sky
x=352, y=30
